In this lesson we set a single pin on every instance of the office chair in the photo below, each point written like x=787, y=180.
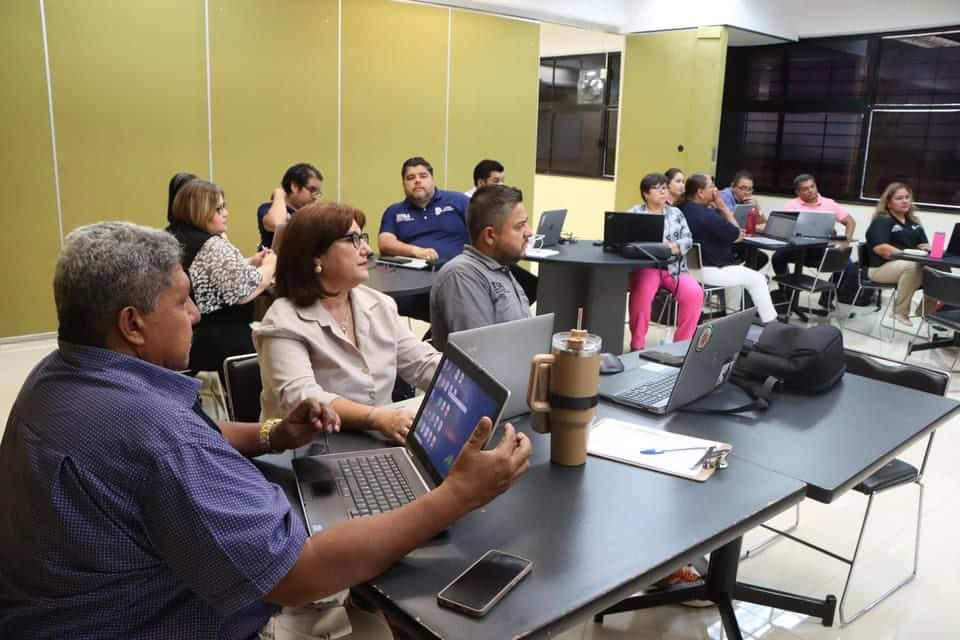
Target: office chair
x=242, y=376
x=864, y=282
x=945, y=287
x=834, y=261
x=895, y=473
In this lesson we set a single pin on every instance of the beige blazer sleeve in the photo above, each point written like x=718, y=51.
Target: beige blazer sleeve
x=287, y=373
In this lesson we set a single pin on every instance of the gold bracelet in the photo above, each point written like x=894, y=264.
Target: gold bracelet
x=265, y=430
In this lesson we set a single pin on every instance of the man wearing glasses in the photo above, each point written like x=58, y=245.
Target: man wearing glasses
x=301, y=184
x=740, y=191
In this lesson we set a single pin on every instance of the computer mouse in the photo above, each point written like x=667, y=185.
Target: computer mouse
x=610, y=363
x=315, y=473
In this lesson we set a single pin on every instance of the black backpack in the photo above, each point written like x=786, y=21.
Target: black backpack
x=805, y=360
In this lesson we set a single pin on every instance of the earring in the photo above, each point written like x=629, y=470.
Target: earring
x=318, y=268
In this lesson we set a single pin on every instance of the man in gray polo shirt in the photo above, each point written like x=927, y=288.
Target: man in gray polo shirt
x=476, y=288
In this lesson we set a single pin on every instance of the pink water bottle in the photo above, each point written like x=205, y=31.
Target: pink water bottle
x=936, y=249
x=751, y=221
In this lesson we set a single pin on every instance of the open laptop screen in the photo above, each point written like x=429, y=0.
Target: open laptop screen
x=453, y=406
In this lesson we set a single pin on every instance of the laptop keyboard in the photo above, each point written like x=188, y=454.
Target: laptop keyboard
x=651, y=392
x=372, y=484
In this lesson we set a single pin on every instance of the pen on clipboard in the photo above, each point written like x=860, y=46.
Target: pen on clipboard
x=655, y=452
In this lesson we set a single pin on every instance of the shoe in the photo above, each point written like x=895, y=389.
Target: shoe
x=904, y=320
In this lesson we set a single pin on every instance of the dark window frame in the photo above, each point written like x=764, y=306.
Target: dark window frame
x=742, y=99
x=550, y=108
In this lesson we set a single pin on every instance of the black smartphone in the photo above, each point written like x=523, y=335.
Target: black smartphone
x=484, y=583
x=393, y=259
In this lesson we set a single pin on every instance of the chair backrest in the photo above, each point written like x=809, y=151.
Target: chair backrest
x=695, y=262
x=835, y=259
x=863, y=259
x=941, y=285
x=242, y=375
x=895, y=372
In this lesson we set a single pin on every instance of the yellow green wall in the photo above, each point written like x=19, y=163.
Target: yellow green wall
x=31, y=241
x=129, y=89
x=671, y=95
x=584, y=199
x=273, y=99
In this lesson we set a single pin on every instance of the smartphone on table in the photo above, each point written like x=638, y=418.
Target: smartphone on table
x=484, y=583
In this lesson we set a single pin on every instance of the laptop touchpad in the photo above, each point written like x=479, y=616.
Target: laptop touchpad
x=315, y=473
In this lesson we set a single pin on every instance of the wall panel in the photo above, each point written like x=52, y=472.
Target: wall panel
x=31, y=245
x=274, y=97
x=493, y=98
x=670, y=97
x=393, y=98
x=129, y=95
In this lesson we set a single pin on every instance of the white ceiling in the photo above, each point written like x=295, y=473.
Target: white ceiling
x=752, y=21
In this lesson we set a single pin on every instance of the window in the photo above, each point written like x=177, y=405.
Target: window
x=829, y=107
x=577, y=124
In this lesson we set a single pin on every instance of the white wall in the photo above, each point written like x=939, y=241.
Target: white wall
x=813, y=18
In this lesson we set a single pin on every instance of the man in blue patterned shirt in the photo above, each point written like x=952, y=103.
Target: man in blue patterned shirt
x=130, y=514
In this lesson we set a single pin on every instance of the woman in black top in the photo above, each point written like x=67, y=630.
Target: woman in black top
x=895, y=227
x=223, y=283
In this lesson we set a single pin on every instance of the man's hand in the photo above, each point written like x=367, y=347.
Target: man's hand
x=426, y=253
x=479, y=476
x=279, y=195
x=302, y=425
x=393, y=423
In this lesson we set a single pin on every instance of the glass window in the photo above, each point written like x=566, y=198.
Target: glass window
x=919, y=69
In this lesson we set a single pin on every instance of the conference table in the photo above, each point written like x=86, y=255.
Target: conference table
x=583, y=275
x=601, y=532
x=596, y=534
x=399, y=281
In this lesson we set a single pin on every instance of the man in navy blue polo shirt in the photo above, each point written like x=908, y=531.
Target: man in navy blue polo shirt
x=301, y=184
x=429, y=223
x=128, y=513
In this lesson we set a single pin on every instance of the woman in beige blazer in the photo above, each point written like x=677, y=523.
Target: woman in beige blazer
x=329, y=337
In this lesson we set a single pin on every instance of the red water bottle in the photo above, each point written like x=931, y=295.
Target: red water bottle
x=752, y=221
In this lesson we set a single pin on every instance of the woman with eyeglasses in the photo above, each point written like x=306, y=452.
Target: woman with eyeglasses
x=223, y=284
x=328, y=336
x=644, y=283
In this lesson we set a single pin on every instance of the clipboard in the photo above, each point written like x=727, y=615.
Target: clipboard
x=657, y=450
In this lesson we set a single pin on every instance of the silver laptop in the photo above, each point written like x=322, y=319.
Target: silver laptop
x=813, y=224
x=337, y=486
x=708, y=363
x=504, y=350
x=550, y=227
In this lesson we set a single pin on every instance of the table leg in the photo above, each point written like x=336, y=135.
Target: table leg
x=602, y=293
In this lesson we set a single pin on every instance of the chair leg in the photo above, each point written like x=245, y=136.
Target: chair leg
x=844, y=619
x=774, y=538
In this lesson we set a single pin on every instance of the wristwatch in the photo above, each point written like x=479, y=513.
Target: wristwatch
x=265, y=430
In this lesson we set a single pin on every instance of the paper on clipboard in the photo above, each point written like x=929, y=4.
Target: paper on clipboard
x=626, y=442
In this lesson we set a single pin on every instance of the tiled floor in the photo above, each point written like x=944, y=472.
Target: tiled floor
x=924, y=609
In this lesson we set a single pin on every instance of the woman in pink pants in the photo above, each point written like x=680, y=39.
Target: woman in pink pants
x=644, y=283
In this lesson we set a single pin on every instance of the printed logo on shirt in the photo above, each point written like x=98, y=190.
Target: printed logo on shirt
x=896, y=228
x=438, y=210
x=404, y=217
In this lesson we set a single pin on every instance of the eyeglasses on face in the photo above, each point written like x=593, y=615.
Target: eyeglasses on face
x=221, y=207
x=358, y=239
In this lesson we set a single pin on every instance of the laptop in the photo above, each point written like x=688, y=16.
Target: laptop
x=953, y=247
x=708, y=363
x=337, y=486
x=813, y=224
x=620, y=229
x=550, y=227
x=741, y=212
x=505, y=351
x=779, y=231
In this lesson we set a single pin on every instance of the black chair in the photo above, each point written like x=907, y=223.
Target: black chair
x=945, y=287
x=242, y=376
x=865, y=283
x=895, y=473
x=834, y=261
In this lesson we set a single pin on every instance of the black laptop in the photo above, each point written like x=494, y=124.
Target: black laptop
x=337, y=486
x=622, y=228
x=953, y=247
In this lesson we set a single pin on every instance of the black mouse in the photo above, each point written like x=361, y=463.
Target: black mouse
x=610, y=363
x=315, y=473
